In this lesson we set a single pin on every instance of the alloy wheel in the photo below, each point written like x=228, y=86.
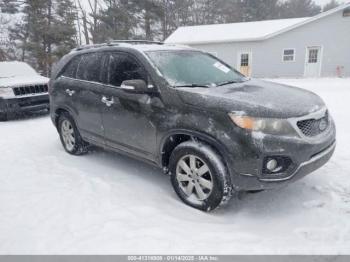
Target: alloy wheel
x=68, y=136
x=194, y=178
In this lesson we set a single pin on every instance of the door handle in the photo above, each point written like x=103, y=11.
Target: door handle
x=107, y=101
x=70, y=92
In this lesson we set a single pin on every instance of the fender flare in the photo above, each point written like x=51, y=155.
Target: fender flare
x=62, y=108
x=201, y=136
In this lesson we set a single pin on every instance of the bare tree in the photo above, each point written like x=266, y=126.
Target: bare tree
x=89, y=18
x=84, y=22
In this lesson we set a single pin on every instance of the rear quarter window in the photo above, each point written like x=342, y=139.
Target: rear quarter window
x=71, y=68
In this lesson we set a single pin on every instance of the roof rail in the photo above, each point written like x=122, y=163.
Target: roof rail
x=116, y=42
x=83, y=47
x=135, y=42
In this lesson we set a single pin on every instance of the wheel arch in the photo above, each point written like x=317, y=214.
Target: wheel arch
x=58, y=111
x=174, y=138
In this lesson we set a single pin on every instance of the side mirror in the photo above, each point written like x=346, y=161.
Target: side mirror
x=137, y=86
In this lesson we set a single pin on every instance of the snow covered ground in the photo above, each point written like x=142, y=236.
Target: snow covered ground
x=54, y=203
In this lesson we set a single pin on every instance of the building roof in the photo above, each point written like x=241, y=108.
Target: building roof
x=242, y=32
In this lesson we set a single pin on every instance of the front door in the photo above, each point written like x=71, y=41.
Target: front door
x=244, y=63
x=127, y=117
x=313, y=62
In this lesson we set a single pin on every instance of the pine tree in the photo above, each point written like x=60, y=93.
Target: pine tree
x=63, y=31
x=332, y=4
x=117, y=21
x=148, y=15
x=176, y=13
x=157, y=19
x=37, y=20
x=8, y=11
x=261, y=10
x=300, y=8
x=9, y=6
x=46, y=32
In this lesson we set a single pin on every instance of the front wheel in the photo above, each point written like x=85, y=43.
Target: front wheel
x=70, y=136
x=199, y=176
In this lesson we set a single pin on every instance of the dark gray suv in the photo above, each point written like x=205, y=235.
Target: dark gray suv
x=211, y=129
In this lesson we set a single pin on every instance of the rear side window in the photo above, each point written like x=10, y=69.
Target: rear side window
x=124, y=67
x=71, y=68
x=89, y=68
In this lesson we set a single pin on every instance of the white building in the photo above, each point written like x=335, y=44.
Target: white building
x=310, y=47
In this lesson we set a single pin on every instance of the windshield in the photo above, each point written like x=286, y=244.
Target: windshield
x=193, y=68
x=12, y=69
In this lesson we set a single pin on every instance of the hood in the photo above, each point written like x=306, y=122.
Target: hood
x=255, y=98
x=23, y=81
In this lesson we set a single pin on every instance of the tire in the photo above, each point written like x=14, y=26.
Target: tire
x=70, y=136
x=188, y=184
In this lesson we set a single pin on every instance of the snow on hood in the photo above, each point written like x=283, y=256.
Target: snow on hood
x=23, y=81
x=9, y=69
x=255, y=98
x=19, y=74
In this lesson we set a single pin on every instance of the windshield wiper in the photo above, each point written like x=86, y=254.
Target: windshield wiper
x=193, y=85
x=230, y=82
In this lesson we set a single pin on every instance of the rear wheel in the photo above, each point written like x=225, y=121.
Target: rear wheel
x=70, y=136
x=199, y=176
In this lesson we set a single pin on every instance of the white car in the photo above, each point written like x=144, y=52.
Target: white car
x=21, y=89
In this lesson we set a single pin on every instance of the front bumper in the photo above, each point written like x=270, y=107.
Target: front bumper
x=250, y=182
x=306, y=154
x=24, y=104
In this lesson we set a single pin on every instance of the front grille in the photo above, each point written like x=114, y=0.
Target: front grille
x=29, y=90
x=314, y=127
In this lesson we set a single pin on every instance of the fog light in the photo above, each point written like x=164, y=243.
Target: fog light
x=271, y=164
x=274, y=165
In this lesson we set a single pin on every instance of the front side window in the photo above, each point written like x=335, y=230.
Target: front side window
x=123, y=67
x=181, y=68
x=89, y=68
x=288, y=55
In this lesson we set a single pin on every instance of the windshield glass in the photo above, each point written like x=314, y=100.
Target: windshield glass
x=12, y=69
x=193, y=68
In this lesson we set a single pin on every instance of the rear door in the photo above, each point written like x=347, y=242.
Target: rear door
x=87, y=96
x=65, y=86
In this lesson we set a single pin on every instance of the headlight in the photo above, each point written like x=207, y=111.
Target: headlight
x=6, y=92
x=265, y=125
